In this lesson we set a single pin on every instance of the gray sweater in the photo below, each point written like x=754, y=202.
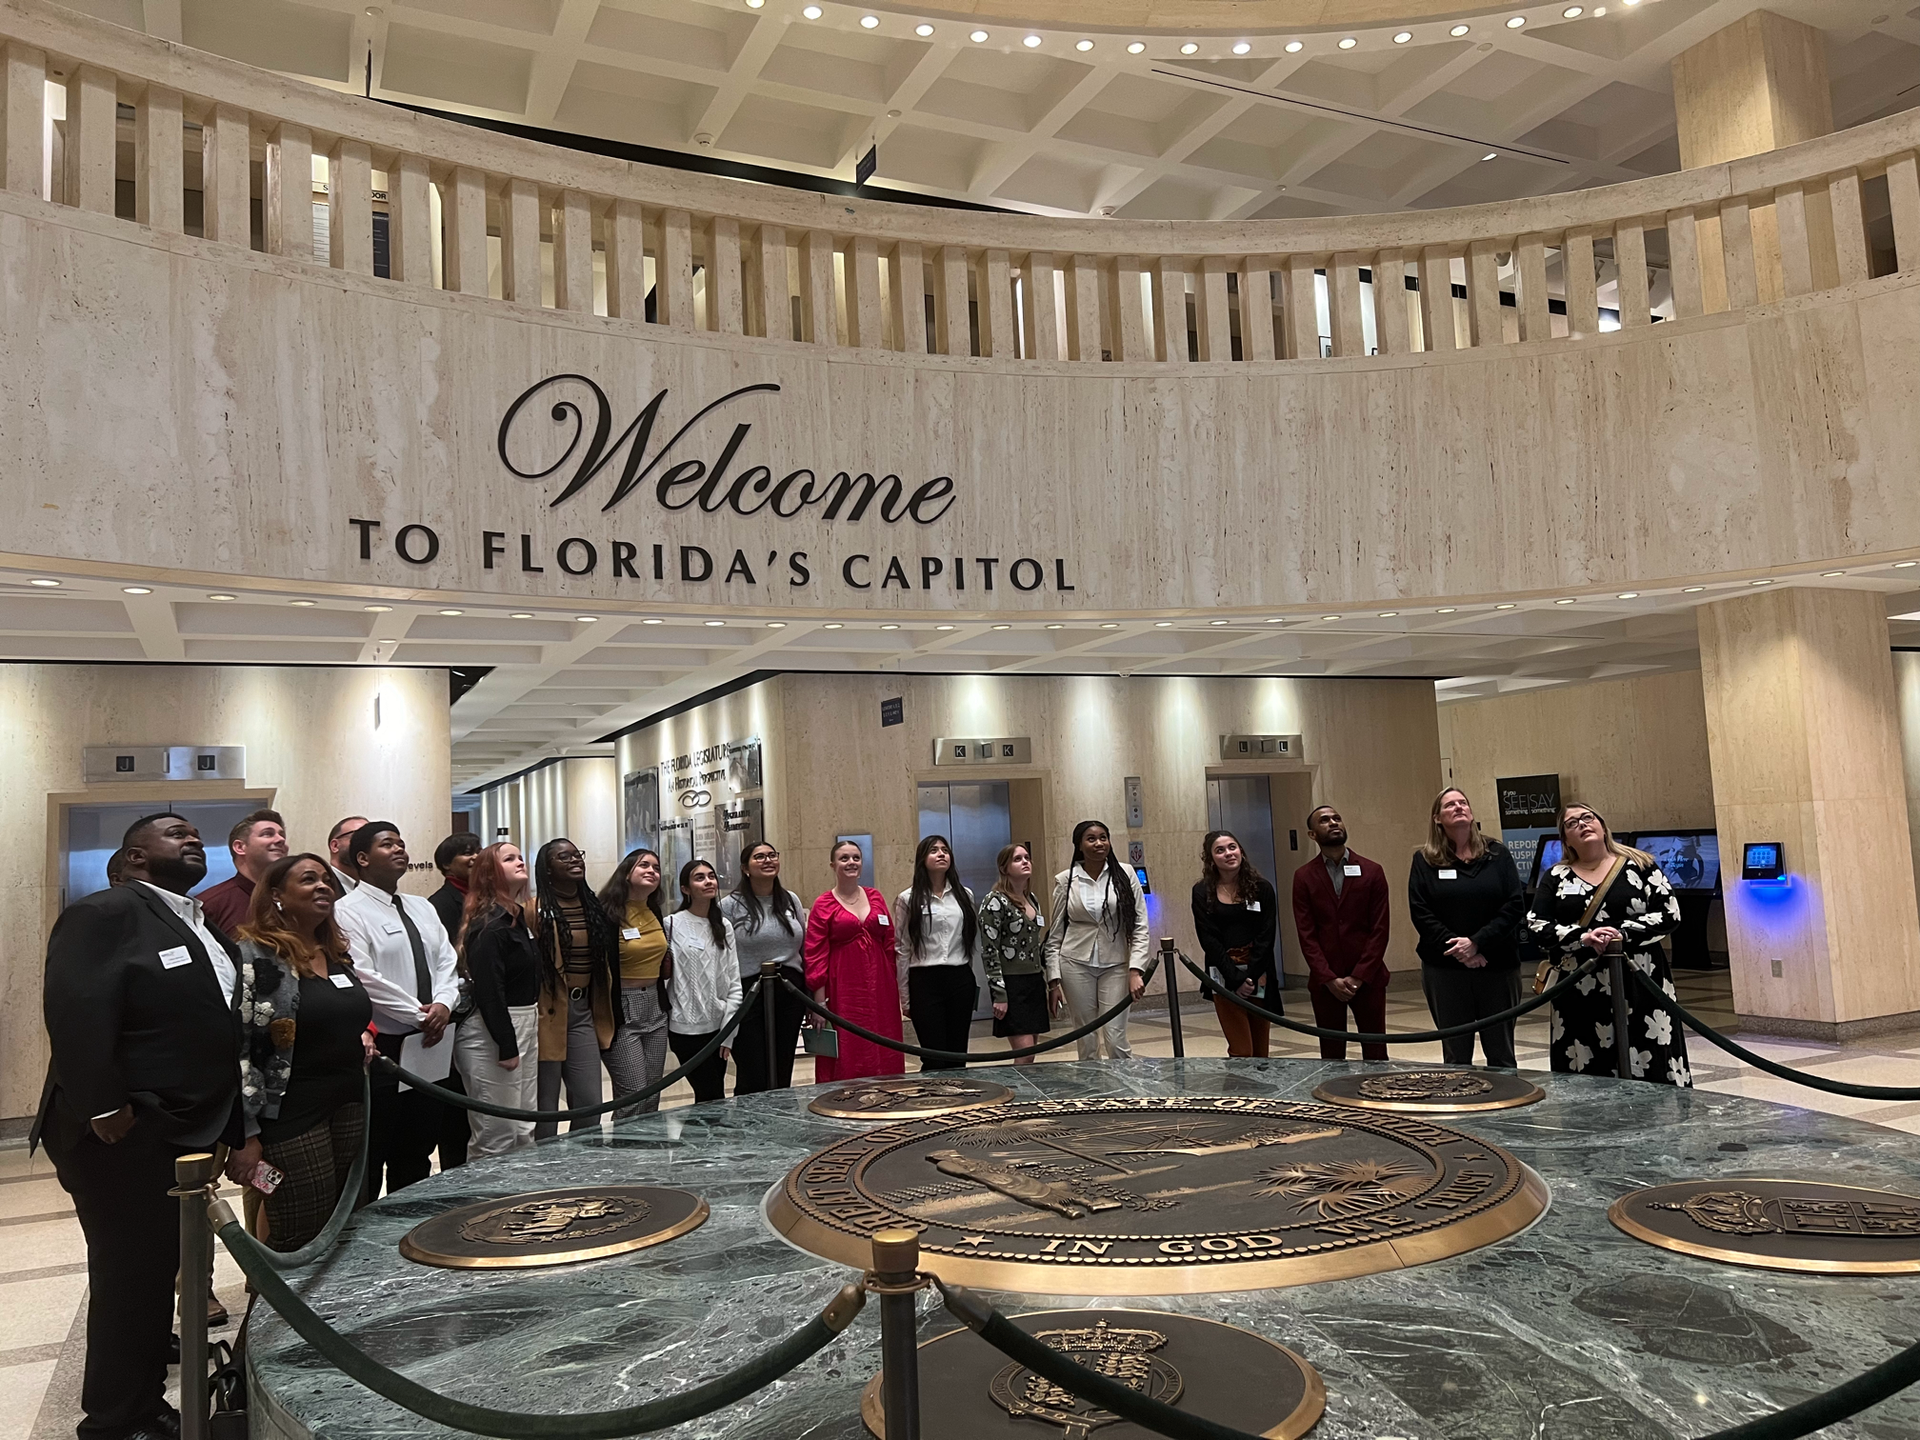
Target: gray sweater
x=771, y=941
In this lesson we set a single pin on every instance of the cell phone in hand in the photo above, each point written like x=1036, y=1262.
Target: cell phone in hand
x=265, y=1178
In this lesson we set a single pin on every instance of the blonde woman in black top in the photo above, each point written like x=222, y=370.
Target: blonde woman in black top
x=1235, y=913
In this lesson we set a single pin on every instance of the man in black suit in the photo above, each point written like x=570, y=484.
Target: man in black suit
x=146, y=1045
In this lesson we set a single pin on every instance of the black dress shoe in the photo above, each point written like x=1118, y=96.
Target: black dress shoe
x=166, y=1423
x=173, y=1350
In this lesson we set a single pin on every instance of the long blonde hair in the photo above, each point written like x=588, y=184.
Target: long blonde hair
x=1000, y=863
x=1614, y=847
x=1439, y=847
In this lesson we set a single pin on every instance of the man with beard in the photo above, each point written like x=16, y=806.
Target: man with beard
x=145, y=1068
x=1340, y=911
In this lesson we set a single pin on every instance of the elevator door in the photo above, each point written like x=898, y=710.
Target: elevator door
x=978, y=823
x=1244, y=805
x=93, y=833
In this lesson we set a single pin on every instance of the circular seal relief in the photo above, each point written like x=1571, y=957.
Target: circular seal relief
x=554, y=1227
x=908, y=1097
x=970, y=1391
x=1778, y=1224
x=1434, y=1092
x=1158, y=1195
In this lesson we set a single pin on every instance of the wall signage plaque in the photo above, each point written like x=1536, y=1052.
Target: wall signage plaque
x=1529, y=802
x=1778, y=1224
x=969, y=1391
x=999, y=750
x=1260, y=747
x=1158, y=1196
x=554, y=1227
x=893, y=711
x=1433, y=1092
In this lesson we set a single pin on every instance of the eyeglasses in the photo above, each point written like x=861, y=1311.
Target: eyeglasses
x=1578, y=821
x=769, y=853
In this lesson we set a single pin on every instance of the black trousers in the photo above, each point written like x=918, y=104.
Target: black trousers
x=941, y=998
x=454, y=1131
x=709, y=1078
x=750, y=1040
x=132, y=1228
x=403, y=1127
x=1459, y=997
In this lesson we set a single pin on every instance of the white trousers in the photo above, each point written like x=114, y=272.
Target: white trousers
x=479, y=1061
x=1093, y=991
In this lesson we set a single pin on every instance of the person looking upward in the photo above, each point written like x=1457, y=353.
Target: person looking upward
x=1340, y=914
x=257, y=843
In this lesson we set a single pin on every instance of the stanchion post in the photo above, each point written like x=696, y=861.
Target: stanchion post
x=1167, y=963
x=896, y=1280
x=769, y=989
x=193, y=1180
x=1622, y=1029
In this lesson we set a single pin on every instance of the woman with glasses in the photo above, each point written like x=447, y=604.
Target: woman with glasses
x=638, y=1055
x=768, y=924
x=579, y=976
x=1604, y=895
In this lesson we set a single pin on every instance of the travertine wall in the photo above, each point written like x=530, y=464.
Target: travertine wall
x=1371, y=746
x=314, y=752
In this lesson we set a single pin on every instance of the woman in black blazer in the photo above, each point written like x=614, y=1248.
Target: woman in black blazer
x=1235, y=914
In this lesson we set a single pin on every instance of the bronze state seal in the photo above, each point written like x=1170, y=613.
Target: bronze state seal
x=1158, y=1196
x=554, y=1227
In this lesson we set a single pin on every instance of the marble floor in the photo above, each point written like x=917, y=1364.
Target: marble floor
x=43, y=1289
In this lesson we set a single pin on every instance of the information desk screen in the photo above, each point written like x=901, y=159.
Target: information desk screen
x=1548, y=856
x=1690, y=862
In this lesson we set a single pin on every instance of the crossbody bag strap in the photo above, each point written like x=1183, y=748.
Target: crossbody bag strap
x=1601, y=891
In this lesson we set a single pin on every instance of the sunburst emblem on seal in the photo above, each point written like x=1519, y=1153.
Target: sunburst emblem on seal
x=1425, y=1085
x=1125, y=1355
x=554, y=1220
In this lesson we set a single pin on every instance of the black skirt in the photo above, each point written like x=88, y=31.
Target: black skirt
x=1026, y=1007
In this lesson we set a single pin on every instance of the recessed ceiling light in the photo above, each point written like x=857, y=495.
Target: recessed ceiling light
x=1567, y=601
x=714, y=624
x=1403, y=37
x=1083, y=45
x=812, y=12
x=220, y=595
x=586, y=619
x=1056, y=627
x=833, y=625
x=943, y=627
x=1241, y=47
x=1111, y=625
x=1032, y=42
x=453, y=612
x=1760, y=582
x=45, y=584
x=1628, y=595
x=1898, y=565
x=146, y=590
x=1294, y=47
x=979, y=37
x=1188, y=48
x=869, y=22
x=1003, y=627
x=1573, y=12
x=377, y=609
x=1348, y=43
x=1446, y=610
x=889, y=627
x=1516, y=22
x=1136, y=47
x=643, y=622
x=1506, y=605
x=1163, y=624
x=755, y=4
x=923, y=30
x=1490, y=155
x=1329, y=617
x=1830, y=574
x=1387, y=614
x=528, y=615
x=1691, y=589
x=1278, y=620
x=776, y=624
x=1459, y=30
x=1216, y=622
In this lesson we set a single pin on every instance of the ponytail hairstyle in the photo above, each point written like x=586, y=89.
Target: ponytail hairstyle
x=920, y=898
x=781, y=902
x=1119, y=882
x=715, y=921
x=1247, y=887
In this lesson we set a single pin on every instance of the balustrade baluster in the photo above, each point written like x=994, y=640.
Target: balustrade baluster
x=463, y=212
x=1391, y=328
x=289, y=192
x=1483, y=293
x=1212, y=309
x=573, y=252
x=409, y=221
x=1083, y=307
x=866, y=317
x=1126, y=312
x=627, y=260
x=1039, y=313
x=1436, y=298
x=1683, y=256
x=907, y=295
x=726, y=295
x=1170, y=309
x=1530, y=281
x=226, y=179
x=1796, y=240
x=1583, y=291
x=1849, y=227
x=1630, y=260
x=951, y=333
x=767, y=284
x=350, y=207
x=1903, y=195
x=993, y=284
x=1343, y=305
x=1300, y=308
x=1736, y=244
x=159, y=181
x=673, y=270
x=818, y=323
x=92, y=118
x=23, y=122
x=520, y=215
x=1256, y=308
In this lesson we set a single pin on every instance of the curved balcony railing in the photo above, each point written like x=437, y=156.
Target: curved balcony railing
x=364, y=188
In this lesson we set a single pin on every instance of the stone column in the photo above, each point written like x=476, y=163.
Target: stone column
x=1804, y=736
x=1755, y=86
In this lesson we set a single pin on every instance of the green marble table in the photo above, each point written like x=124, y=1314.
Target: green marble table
x=1569, y=1329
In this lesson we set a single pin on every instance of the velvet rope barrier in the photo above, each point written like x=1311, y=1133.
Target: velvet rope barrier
x=960, y=1057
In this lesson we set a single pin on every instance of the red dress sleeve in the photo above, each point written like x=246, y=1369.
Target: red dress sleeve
x=814, y=949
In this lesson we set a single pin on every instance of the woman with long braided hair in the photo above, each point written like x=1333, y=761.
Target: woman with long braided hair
x=579, y=977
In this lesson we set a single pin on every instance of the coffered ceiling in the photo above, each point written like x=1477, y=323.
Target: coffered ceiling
x=1198, y=124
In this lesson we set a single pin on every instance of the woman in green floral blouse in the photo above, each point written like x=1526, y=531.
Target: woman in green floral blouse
x=1013, y=935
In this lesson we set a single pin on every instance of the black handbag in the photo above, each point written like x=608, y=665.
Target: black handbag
x=228, y=1390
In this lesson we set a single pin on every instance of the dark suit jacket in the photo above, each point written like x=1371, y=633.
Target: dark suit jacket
x=450, y=903
x=126, y=1028
x=1346, y=935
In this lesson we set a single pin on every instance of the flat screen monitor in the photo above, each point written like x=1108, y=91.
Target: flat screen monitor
x=1547, y=856
x=1690, y=862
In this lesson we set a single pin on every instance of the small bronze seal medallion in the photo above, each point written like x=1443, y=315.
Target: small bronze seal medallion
x=908, y=1097
x=1778, y=1224
x=969, y=1391
x=1433, y=1092
x=554, y=1227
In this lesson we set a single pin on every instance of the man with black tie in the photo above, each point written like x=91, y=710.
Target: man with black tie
x=407, y=965
x=145, y=1068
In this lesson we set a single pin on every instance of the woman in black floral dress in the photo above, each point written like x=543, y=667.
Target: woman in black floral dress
x=1637, y=910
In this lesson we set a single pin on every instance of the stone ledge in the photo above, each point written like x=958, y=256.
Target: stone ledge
x=1831, y=1032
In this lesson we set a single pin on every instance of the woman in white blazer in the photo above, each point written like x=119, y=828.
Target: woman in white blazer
x=704, y=991
x=1097, y=940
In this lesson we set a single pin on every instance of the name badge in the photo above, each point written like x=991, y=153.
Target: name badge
x=632, y=932
x=392, y=928
x=885, y=921
x=1351, y=870
x=174, y=956
x=341, y=982
x=1253, y=907
x=1449, y=874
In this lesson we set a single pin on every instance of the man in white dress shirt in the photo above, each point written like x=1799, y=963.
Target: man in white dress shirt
x=404, y=959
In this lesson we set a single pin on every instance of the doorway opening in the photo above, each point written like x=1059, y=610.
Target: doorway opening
x=90, y=833
x=1268, y=815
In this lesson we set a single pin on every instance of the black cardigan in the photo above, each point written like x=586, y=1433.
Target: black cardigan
x=1485, y=902
x=504, y=960
x=1221, y=928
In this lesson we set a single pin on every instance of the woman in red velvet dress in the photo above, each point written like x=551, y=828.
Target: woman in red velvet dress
x=849, y=952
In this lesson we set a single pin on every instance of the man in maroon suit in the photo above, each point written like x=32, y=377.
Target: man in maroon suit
x=1340, y=910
